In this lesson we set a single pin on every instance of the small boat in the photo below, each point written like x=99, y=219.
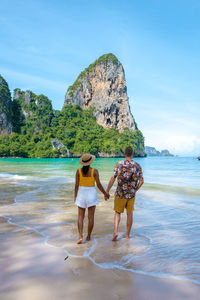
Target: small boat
x=198, y=157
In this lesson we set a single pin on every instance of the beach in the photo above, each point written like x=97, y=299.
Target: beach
x=34, y=270
x=38, y=231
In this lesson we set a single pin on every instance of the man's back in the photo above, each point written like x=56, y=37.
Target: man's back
x=130, y=180
x=128, y=173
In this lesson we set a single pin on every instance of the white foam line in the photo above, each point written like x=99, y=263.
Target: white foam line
x=46, y=238
x=140, y=272
x=88, y=252
x=9, y=219
x=12, y=176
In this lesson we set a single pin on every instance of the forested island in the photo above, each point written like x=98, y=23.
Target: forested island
x=151, y=151
x=95, y=117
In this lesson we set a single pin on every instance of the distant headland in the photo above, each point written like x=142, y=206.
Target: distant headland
x=151, y=151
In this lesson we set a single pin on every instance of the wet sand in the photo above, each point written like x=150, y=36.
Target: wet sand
x=31, y=269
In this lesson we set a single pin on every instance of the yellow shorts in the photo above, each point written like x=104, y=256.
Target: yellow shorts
x=121, y=203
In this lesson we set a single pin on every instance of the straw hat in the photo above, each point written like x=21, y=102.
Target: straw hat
x=86, y=159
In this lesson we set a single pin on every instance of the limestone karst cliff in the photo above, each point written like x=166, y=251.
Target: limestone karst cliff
x=103, y=85
x=30, y=107
x=5, y=108
x=30, y=127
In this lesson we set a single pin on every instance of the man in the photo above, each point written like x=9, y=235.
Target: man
x=130, y=180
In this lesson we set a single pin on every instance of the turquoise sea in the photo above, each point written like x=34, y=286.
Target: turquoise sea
x=37, y=195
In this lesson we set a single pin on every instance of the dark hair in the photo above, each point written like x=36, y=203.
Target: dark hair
x=128, y=151
x=85, y=169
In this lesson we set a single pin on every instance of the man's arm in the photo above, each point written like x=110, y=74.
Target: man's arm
x=112, y=179
x=110, y=184
x=139, y=184
x=76, y=185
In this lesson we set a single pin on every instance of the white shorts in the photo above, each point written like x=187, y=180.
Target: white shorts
x=87, y=196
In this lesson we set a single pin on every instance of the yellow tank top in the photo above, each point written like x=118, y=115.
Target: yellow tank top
x=87, y=181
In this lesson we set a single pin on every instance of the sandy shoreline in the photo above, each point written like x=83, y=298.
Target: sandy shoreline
x=38, y=271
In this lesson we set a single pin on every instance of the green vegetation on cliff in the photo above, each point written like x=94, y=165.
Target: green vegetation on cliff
x=76, y=128
x=5, y=98
x=104, y=59
x=82, y=133
x=31, y=113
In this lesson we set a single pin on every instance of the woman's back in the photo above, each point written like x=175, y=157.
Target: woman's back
x=85, y=193
x=87, y=179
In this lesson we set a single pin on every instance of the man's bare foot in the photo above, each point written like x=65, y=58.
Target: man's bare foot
x=80, y=241
x=127, y=236
x=114, y=237
x=88, y=238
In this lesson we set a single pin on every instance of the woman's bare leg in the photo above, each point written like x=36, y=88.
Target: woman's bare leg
x=81, y=215
x=91, y=211
x=116, y=225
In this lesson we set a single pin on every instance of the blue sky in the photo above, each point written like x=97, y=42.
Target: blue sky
x=46, y=44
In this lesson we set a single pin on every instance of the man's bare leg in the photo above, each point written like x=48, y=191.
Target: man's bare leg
x=129, y=224
x=91, y=211
x=116, y=225
x=81, y=215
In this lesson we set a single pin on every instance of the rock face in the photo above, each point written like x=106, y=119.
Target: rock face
x=104, y=154
x=56, y=144
x=103, y=85
x=30, y=105
x=24, y=98
x=165, y=153
x=5, y=108
x=151, y=151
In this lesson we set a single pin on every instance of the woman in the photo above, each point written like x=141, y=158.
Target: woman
x=85, y=194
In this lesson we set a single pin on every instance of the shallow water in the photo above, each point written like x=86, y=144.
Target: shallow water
x=37, y=194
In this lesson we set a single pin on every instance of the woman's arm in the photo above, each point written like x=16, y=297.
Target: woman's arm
x=76, y=185
x=99, y=185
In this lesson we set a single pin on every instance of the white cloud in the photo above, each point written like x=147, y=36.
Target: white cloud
x=183, y=144
x=169, y=126
x=33, y=81
x=176, y=144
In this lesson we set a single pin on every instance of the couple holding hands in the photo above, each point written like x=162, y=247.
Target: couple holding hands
x=129, y=180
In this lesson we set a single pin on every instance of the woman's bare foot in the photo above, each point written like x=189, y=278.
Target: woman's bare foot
x=80, y=241
x=88, y=238
x=115, y=235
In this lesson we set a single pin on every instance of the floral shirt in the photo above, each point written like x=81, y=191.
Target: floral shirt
x=128, y=173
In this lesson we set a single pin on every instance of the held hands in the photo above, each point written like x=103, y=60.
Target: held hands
x=106, y=196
